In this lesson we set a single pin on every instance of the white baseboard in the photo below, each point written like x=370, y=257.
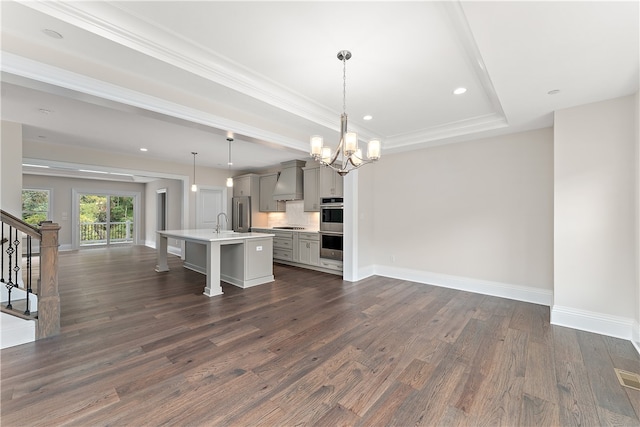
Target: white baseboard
x=479, y=286
x=367, y=271
x=604, y=324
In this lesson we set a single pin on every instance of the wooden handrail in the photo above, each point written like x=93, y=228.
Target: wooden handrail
x=20, y=225
x=48, y=321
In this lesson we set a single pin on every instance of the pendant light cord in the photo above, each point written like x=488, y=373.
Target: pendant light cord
x=344, y=84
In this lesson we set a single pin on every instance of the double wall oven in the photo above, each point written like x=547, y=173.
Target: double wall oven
x=331, y=227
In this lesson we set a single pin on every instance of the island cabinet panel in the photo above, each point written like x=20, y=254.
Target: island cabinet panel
x=267, y=186
x=247, y=264
x=311, y=188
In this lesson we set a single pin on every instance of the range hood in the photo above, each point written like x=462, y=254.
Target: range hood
x=289, y=185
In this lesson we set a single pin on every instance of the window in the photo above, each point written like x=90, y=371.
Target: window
x=36, y=206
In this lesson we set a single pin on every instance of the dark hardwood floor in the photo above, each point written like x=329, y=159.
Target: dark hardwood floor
x=141, y=348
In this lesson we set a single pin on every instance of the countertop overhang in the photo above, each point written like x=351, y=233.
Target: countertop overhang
x=208, y=235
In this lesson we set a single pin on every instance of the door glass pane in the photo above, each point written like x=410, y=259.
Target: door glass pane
x=93, y=219
x=121, y=219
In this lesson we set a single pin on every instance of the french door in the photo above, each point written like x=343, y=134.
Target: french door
x=105, y=219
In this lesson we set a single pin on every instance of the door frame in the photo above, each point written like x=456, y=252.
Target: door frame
x=75, y=216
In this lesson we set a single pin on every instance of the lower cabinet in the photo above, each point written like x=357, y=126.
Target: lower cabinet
x=283, y=245
x=300, y=248
x=309, y=248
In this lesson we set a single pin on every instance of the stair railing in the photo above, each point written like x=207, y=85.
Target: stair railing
x=46, y=287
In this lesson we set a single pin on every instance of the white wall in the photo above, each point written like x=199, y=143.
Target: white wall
x=367, y=235
x=475, y=215
x=175, y=218
x=595, y=217
x=11, y=162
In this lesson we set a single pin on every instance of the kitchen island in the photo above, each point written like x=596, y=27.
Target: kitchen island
x=241, y=259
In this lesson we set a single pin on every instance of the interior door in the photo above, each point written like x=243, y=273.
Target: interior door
x=210, y=202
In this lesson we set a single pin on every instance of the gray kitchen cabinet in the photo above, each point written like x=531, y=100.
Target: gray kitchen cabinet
x=267, y=185
x=249, y=185
x=309, y=248
x=283, y=245
x=242, y=185
x=331, y=183
x=311, y=187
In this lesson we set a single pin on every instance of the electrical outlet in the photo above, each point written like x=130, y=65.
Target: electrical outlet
x=393, y=258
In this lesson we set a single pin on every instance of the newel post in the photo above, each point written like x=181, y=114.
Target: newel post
x=48, y=323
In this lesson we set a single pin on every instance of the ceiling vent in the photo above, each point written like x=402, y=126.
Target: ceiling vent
x=289, y=185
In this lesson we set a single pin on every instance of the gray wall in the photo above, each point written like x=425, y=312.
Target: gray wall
x=62, y=201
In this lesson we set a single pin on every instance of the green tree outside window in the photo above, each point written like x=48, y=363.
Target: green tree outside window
x=35, y=206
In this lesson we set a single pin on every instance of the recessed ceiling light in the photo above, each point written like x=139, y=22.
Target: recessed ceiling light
x=553, y=92
x=367, y=117
x=92, y=171
x=460, y=91
x=52, y=33
x=144, y=149
x=45, y=111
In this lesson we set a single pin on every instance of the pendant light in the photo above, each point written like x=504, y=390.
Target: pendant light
x=229, y=179
x=194, y=187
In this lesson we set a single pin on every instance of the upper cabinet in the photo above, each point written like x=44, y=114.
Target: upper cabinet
x=242, y=185
x=331, y=183
x=267, y=186
x=249, y=185
x=311, y=187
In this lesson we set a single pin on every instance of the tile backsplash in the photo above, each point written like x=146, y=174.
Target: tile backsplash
x=295, y=215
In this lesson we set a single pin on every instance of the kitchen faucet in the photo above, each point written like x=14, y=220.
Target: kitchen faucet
x=218, y=221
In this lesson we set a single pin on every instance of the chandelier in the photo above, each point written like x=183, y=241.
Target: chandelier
x=347, y=155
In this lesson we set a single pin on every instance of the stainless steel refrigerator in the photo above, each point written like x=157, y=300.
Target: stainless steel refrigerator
x=241, y=214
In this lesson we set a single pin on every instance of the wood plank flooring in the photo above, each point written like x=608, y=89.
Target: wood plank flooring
x=141, y=348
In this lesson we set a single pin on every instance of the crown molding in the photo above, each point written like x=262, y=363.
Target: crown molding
x=37, y=71
x=164, y=45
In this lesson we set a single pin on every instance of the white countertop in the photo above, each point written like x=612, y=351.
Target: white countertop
x=208, y=235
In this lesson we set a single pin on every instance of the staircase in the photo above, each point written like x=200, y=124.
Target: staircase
x=29, y=298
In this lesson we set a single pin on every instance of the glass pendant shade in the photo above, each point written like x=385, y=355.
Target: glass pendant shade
x=326, y=154
x=316, y=146
x=356, y=158
x=373, y=149
x=194, y=188
x=229, y=182
x=350, y=143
